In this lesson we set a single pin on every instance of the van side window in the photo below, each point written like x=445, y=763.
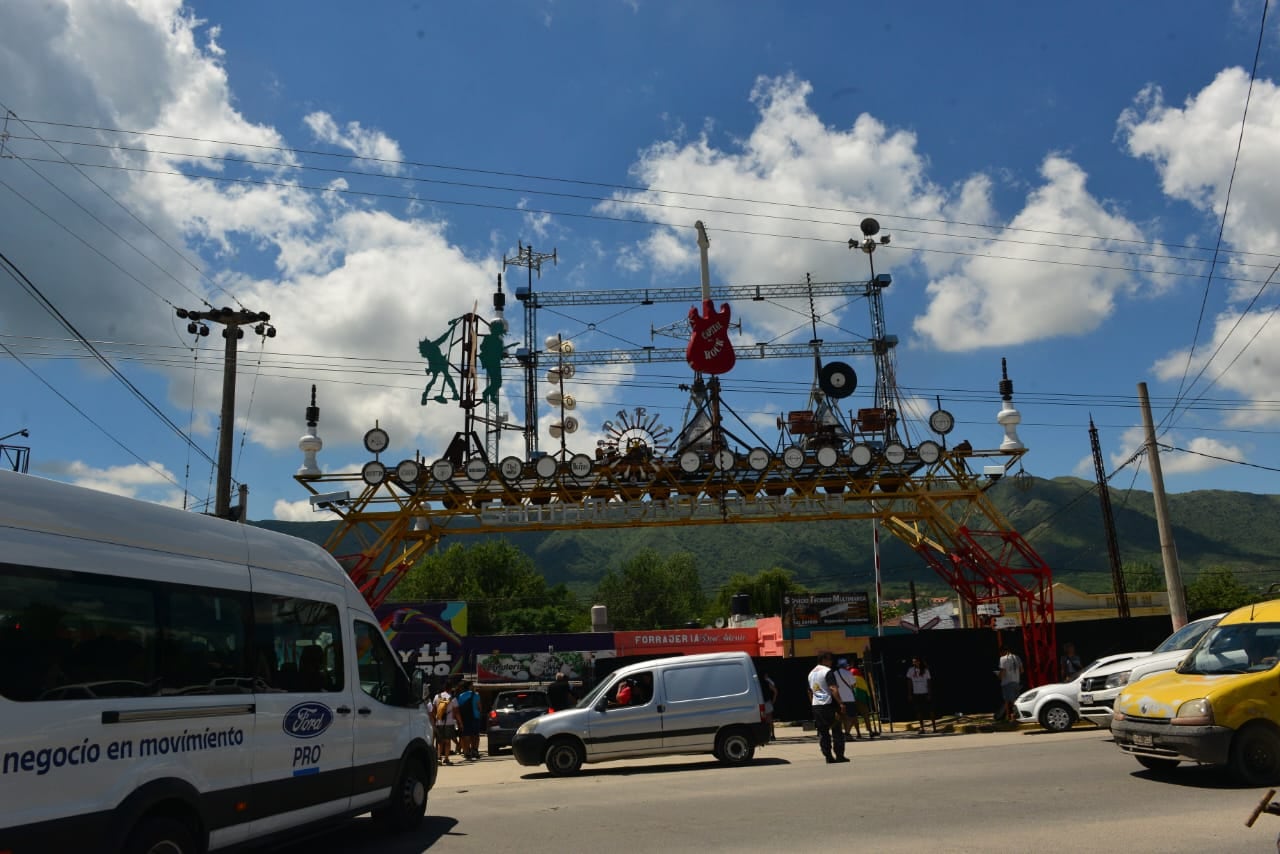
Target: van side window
x=381, y=677
x=204, y=648
x=297, y=644
x=71, y=635
x=710, y=680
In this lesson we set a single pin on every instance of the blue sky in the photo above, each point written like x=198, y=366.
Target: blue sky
x=1054, y=178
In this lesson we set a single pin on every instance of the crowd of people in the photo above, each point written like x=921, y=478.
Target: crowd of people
x=455, y=714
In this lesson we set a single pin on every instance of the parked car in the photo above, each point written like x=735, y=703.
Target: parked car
x=1098, y=691
x=1218, y=707
x=1057, y=706
x=510, y=709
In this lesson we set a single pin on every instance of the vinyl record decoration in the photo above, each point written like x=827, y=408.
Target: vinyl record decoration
x=837, y=380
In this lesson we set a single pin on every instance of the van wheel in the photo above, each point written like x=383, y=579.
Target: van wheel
x=162, y=835
x=1057, y=717
x=1156, y=764
x=408, y=799
x=735, y=747
x=564, y=758
x=1255, y=756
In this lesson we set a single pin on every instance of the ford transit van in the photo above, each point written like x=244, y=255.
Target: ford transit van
x=710, y=703
x=174, y=682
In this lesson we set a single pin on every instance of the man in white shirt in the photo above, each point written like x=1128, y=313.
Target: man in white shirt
x=1010, y=682
x=921, y=683
x=822, y=697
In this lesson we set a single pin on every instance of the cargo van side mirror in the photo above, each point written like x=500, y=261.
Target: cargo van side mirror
x=417, y=685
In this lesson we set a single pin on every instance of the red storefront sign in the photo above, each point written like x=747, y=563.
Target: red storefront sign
x=687, y=641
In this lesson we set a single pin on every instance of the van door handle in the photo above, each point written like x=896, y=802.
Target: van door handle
x=343, y=710
x=365, y=710
x=661, y=708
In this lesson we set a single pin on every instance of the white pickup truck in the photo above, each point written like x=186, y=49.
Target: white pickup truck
x=1099, y=688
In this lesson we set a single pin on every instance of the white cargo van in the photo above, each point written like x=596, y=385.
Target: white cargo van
x=173, y=682
x=710, y=703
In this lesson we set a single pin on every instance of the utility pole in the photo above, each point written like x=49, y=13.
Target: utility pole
x=528, y=355
x=1168, y=550
x=1109, y=524
x=231, y=321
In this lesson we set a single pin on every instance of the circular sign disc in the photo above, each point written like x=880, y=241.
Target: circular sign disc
x=942, y=422
x=793, y=457
x=725, y=459
x=476, y=469
x=928, y=452
x=861, y=455
x=894, y=454
x=373, y=472
x=408, y=472
x=827, y=456
x=690, y=461
x=546, y=467
x=441, y=470
x=580, y=465
x=376, y=440
x=758, y=459
x=838, y=380
x=511, y=468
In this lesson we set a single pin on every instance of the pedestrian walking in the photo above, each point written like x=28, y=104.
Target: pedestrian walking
x=770, y=690
x=823, y=698
x=920, y=686
x=1070, y=664
x=442, y=713
x=560, y=695
x=847, y=695
x=1010, y=673
x=468, y=705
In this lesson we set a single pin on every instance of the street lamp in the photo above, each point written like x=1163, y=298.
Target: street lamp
x=24, y=433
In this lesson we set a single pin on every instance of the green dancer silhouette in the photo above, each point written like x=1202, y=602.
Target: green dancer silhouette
x=491, y=353
x=438, y=365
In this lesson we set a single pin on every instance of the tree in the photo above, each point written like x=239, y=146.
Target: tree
x=1216, y=589
x=652, y=592
x=1141, y=577
x=765, y=590
x=503, y=590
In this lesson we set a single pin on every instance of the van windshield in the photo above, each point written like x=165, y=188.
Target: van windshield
x=1240, y=648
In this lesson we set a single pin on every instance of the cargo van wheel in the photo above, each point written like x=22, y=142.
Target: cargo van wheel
x=408, y=799
x=564, y=758
x=162, y=835
x=734, y=747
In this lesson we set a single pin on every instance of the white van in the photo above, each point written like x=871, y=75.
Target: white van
x=174, y=682
x=710, y=703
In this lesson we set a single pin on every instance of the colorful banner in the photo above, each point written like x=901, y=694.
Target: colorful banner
x=427, y=635
x=531, y=666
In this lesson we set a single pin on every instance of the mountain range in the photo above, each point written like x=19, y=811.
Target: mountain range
x=1060, y=518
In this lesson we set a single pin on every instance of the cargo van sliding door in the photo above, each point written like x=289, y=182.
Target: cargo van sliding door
x=381, y=699
x=302, y=754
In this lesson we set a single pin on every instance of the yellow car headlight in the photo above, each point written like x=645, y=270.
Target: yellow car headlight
x=1194, y=713
x=528, y=727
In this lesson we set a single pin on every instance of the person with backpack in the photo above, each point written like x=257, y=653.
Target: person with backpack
x=442, y=715
x=469, y=718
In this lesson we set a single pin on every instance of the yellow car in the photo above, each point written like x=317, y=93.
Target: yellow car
x=1220, y=706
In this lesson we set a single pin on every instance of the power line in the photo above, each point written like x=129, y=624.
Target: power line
x=30, y=287
x=1222, y=225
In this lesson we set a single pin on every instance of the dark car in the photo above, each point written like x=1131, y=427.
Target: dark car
x=510, y=709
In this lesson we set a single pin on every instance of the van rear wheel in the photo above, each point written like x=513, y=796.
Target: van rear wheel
x=162, y=835
x=735, y=747
x=564, y=758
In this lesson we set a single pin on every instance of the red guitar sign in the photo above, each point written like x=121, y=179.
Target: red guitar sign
x=709, y=349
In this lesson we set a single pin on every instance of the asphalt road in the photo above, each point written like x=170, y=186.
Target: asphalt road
x=983, y=792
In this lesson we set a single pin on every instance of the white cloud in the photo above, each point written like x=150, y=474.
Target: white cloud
x=1193, y=148
x=1198, y=454
x=150, y=482
x=360, y=141
x=810, y=171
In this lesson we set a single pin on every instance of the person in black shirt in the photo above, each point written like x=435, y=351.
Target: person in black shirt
x=560, y=695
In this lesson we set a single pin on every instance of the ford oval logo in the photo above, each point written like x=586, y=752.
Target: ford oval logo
x=307, y=720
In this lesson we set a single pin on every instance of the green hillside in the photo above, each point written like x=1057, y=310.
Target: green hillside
x=1060, y=518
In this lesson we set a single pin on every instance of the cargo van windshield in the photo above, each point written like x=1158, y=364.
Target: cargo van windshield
x=1238, y=648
